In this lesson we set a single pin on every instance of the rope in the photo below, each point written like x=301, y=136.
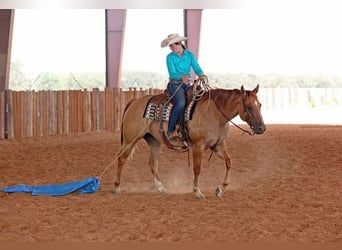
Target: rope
x=110, y=164
x=204, y=87
x=198, y=94
x=174, y=93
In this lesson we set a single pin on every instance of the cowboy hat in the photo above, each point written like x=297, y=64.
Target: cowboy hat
x=172, y=38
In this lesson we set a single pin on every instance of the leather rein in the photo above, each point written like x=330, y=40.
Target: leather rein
x=250, y=132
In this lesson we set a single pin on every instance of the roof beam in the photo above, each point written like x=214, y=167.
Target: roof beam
x=192, y=29
x=6, y=31
x=115, y=31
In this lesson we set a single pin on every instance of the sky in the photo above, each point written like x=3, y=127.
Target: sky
x=289, y=41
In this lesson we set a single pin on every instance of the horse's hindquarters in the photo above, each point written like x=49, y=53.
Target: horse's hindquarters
x=134, y=125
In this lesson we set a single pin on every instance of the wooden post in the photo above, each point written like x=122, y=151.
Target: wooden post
x=79, y=114
x=35, y=114
x=66, y=112
x=88, y=129
x=23, y=111
x=72, y=117
x=118, y=108
x=46, y=112
x=17, y=114
x=59, y=113
x=123, y=101
x=29, y=113
x=96, y=122
x=2, y=115
x=14, y=113
x=102, y=111
x=73, y=112
x=51, y=114
x=106, y=109
x=9, y=115
x=113, y=106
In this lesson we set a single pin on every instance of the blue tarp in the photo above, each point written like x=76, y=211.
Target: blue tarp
x=88, y=185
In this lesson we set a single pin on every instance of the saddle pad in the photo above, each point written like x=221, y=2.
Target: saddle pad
x=157, y=111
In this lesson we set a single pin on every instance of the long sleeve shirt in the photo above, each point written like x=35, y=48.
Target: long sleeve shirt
x=181, y=65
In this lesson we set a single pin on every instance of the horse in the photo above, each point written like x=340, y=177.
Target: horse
x=207, y=129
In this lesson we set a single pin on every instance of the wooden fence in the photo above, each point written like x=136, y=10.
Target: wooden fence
x=43, y=113
x=31, y=114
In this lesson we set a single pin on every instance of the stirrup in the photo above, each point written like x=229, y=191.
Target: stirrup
x=178, y=143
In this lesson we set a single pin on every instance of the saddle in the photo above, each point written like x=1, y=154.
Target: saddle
x=159, y=108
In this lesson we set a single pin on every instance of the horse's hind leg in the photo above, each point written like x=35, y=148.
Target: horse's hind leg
x=153, y=162
x=222, y=152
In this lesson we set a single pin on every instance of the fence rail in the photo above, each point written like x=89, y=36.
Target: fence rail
x=43, y=113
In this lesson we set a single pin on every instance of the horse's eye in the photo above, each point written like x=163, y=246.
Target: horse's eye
x=249, y=108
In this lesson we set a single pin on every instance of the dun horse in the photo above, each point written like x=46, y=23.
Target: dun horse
x=207, y=129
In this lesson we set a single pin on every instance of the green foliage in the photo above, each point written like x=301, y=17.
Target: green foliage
x=274, y=80
x=18, y=79
x=137, y=79
x=141, y=79
x=53, y=81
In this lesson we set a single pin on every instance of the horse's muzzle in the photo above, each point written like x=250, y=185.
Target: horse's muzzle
x=259, y=130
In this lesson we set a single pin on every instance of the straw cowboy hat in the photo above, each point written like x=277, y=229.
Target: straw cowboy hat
x=172, y=38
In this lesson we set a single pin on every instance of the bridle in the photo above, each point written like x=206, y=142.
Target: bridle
x=248, y=118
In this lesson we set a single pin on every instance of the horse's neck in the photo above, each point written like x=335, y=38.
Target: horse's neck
x=227, y=102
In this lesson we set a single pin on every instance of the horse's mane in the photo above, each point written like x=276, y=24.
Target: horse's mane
x=220, y=96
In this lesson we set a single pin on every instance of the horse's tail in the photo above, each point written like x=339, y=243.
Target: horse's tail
x=123, y=115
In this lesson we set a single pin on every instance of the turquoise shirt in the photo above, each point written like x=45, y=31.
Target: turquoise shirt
x=180, y=65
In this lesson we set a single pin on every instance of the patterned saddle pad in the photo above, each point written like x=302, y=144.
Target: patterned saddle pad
x=157, y=108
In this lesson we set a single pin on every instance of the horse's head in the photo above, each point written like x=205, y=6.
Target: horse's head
x=250, y=110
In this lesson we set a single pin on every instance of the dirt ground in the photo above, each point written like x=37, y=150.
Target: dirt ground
x=285, y=186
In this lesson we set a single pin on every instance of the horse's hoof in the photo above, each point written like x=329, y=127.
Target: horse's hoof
x=218, y=192
x=163, y=191
x=200, y=196
x=117, y=191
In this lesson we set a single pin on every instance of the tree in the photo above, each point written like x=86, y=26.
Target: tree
x=18, y=79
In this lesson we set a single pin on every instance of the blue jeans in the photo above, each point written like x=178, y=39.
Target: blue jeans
x=179, y=99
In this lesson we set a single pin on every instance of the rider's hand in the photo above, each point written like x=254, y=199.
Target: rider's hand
x=185, y=79
x=203, y=78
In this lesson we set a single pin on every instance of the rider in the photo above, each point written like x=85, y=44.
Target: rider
x=179, y=62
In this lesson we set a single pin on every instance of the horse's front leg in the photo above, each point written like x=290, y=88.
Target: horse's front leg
x=123, y=155
x=197, y=152
x=126, y=149
x=222, y=152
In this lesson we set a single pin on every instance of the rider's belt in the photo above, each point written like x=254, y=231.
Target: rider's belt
x=175, y=81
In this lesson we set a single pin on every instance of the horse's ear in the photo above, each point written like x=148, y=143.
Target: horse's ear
x=243, y=92
x=256, y=89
